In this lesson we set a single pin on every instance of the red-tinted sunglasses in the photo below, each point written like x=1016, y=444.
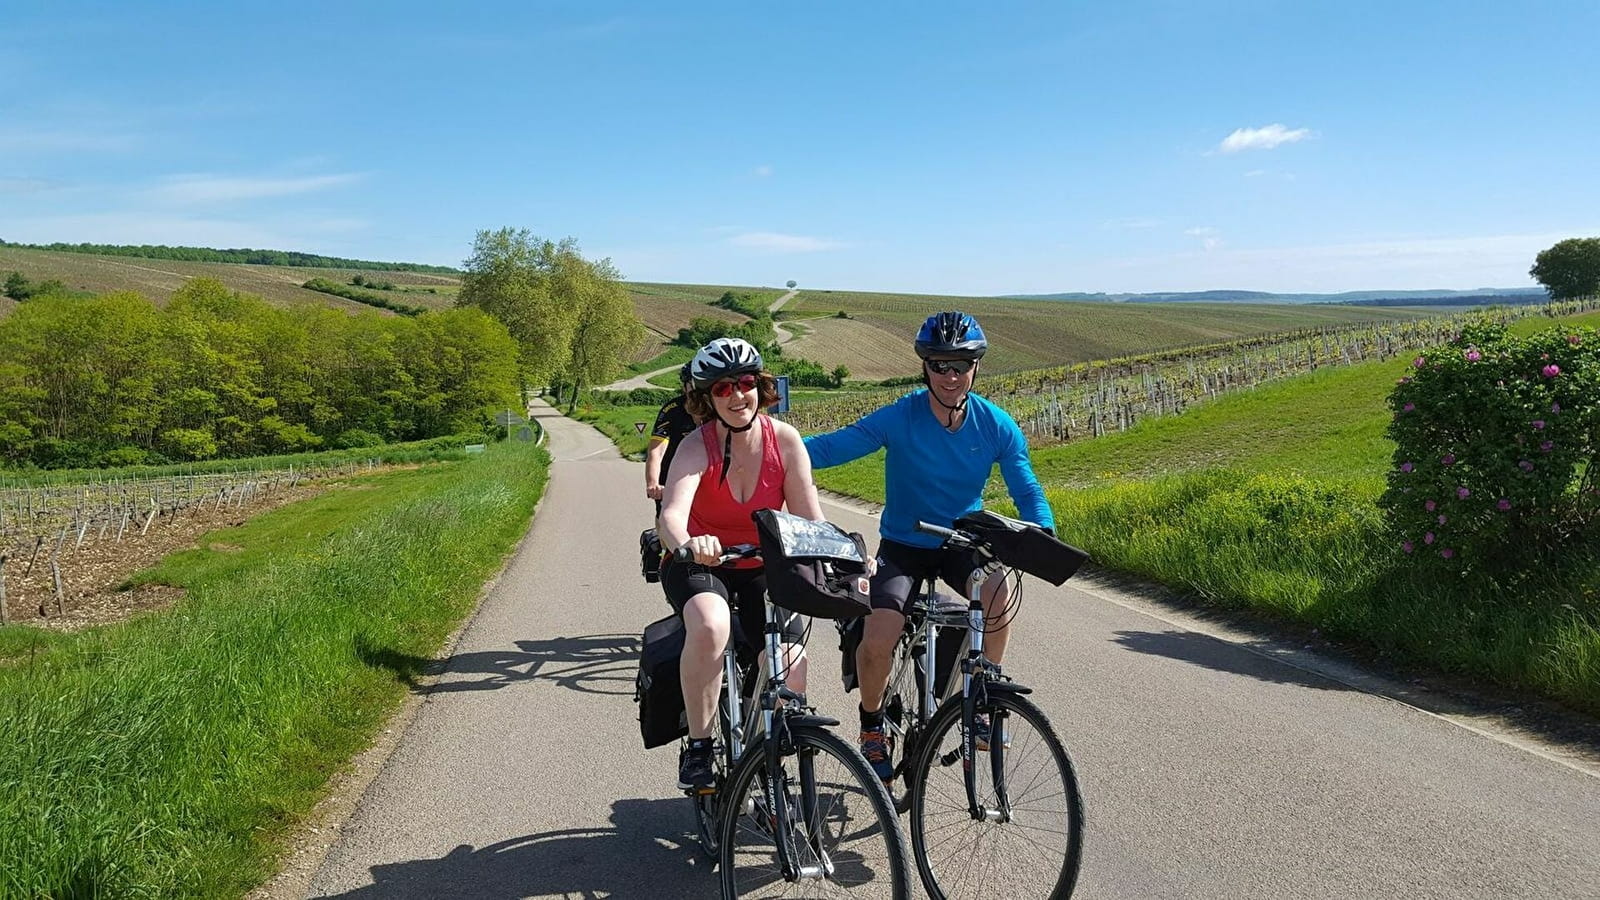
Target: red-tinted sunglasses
x=745, y=384
x=946, y=366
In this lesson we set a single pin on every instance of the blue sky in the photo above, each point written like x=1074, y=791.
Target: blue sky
x=936, y=147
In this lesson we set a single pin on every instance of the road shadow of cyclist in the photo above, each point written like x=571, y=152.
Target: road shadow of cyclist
x=650, y=852
x=592, y=664
x=1224, y=656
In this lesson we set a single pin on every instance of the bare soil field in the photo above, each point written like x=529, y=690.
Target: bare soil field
x=91, y=575
x=157, y=279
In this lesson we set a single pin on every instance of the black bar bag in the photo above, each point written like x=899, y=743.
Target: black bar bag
x=813, y=568
x=656, y=688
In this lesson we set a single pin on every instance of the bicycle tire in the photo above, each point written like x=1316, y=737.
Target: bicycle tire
x=872, y=864
x=978, y=865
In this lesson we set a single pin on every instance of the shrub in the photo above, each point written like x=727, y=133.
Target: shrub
x=1496, y=436
x=351, y=438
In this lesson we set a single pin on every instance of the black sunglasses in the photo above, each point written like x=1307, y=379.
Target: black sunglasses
x=946, y=366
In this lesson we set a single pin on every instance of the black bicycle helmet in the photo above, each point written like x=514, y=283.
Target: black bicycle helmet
x=721, y=358
x=951, y=334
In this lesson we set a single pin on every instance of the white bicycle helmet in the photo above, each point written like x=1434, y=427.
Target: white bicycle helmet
x=721, y=358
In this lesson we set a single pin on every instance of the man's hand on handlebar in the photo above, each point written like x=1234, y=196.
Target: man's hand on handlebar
x=654, y=491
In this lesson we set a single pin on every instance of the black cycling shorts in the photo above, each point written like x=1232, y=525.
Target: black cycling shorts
x=743, y=588
x=901, y=567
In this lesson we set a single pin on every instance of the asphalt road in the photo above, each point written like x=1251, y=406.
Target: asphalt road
x=1210, y=767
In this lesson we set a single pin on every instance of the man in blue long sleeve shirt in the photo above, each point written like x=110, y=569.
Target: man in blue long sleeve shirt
x=942, y=444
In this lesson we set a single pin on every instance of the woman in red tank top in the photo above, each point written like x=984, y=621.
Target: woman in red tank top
x=739, y=461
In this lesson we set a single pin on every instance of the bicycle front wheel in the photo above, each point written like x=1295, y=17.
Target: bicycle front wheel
x=1027, y=840
x=839, y=835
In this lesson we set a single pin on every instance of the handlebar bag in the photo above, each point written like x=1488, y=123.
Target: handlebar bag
x=1025, y=546
x=657, y=688
x=813, y=568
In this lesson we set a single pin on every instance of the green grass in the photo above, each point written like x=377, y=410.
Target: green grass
x=674, y=355
x=617, y=422
x=168, y=755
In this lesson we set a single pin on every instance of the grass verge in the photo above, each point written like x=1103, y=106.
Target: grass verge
x=168, y=755
x=620, y=423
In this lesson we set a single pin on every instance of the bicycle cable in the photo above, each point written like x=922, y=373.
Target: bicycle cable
x=995, y=624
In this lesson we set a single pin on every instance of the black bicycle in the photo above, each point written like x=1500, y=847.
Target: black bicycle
x=993, y=799
x=794, y=811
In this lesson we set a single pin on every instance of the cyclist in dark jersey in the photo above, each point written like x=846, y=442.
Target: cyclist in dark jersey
x=673, y=422
x=739, y=461
x=942, y=444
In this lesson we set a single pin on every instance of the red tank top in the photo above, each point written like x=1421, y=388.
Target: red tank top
x=716, y=512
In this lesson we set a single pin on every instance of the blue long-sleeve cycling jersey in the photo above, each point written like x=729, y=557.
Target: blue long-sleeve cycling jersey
x=931, y=473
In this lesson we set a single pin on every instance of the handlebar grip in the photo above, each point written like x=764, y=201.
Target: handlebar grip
x=930, y=528
x=682, y=555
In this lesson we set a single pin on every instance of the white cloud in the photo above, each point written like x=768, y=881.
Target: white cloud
x=23, y=185
x=783, y=243
x=1256, y=173
x=1261, y=138
x=197, y=189
x=1130, y=223
x=1210, y=238
x=45, y=140
x=763, y=171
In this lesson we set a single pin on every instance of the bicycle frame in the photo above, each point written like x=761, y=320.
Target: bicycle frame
x=978, y=676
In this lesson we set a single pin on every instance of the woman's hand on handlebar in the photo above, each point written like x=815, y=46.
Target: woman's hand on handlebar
x=706, y=548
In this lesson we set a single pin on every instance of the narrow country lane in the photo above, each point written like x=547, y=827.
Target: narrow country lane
x=1211, y=768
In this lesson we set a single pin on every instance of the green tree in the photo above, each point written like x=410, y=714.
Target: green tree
x=509, y=276
x=1569, y=268
x=17, y=287
x=840, y=373
x=608, y=329
x=790, y=284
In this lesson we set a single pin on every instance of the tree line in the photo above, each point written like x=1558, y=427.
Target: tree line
x=325, y=286
x=248, y=256
x=114, y=380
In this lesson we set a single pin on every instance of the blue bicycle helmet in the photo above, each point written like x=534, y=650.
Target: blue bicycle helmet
x=952, y=334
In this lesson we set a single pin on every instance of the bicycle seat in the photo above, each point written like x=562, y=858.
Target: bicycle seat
x=942, y=610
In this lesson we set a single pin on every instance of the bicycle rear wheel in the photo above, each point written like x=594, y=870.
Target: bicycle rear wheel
x=830, y=811
x=1038, y=851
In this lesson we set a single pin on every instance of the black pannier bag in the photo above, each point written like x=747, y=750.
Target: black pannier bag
x=657, y=689
x=813, y=568
x=1025, y=546
x=650, y=555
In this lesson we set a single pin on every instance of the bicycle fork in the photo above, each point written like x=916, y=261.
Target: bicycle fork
x=976, y=675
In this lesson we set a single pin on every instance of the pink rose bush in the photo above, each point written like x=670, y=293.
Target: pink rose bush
x=1461, y=429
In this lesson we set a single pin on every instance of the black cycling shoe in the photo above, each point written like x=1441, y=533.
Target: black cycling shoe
x=694, y=769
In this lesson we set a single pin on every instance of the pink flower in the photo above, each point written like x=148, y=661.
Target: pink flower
x=1405, y=380
x=1504, y=504
x=1443, y=519
x=1430, y=506
x=1546, y=446
x=1574, y=340
x=1473, y=355
x=1406, y=467
x=1419, y=362
x=1408, y=407
x=1525, y=466
x=1447, y=553
x=1427, y=538
x=1551, y=370
x=1462, y=493
x=1555, y=408
x=1407, y=547
x=1449, y=459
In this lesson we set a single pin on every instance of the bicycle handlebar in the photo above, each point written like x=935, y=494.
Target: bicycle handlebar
x=729, y=554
